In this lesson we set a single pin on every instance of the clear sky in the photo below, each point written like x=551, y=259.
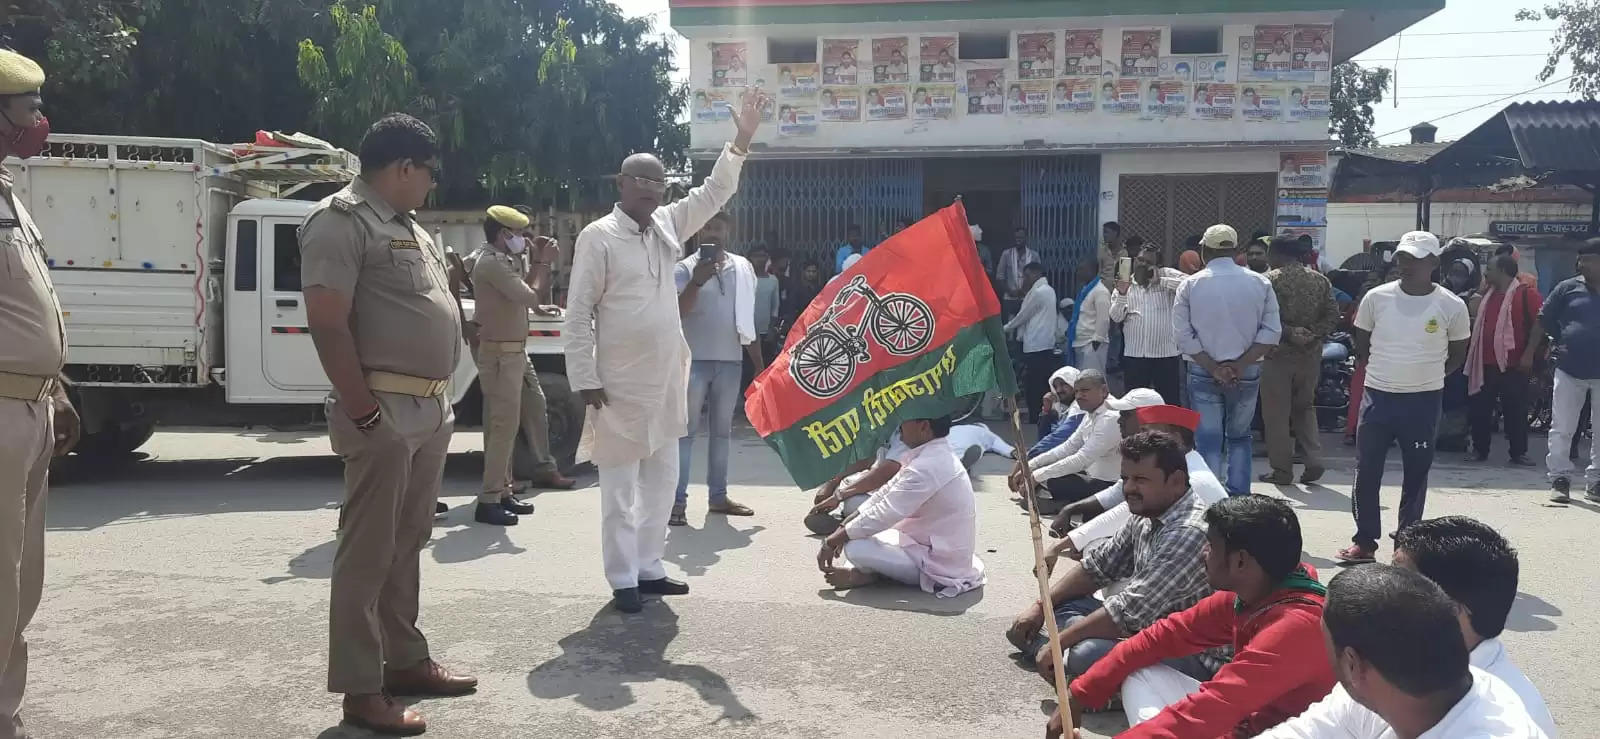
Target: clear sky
x=1470, y=54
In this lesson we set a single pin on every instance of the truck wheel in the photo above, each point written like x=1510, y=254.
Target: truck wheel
x=564, y=417
x=115, y=440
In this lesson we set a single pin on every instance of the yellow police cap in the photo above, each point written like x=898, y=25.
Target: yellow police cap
x=19, y=74
x=508, y=216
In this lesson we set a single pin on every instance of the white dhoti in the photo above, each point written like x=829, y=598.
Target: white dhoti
x=881, y=554
x=1149, y=690
x=635, y=501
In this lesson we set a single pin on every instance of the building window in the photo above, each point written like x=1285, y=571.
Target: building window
x=791, y=50
x=984, y=45
x=1197, y=40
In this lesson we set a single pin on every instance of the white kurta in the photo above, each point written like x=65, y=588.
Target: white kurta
x=928, y=511
x=623, y=331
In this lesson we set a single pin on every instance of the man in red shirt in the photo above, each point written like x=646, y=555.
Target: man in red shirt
x=1505, y=342
x=1268, y=607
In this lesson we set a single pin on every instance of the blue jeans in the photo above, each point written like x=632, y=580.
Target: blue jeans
x=1225, y=416
x=1083, y=655
x=718, y=383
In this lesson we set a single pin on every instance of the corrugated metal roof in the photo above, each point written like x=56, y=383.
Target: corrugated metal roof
x=1556, y=135
x=1403, y=153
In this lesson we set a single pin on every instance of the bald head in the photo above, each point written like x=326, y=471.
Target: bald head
x=641, y=183
x=644, y=164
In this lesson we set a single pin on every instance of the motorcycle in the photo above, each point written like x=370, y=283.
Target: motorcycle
x=1332, y=398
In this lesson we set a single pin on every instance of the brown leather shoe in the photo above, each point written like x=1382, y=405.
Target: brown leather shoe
x=427, y=678
x=554, y=480
x=380, y=714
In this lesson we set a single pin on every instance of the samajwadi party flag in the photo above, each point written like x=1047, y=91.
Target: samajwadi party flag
x=907, y=332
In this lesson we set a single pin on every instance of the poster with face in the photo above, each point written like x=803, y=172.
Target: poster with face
x=1141, y=53
x=886, y=102
x=1308, y=103
x=709, y=106
x=889, y=62
x=796, y=118
x=1166, y=99
x=1272, y=52
x=1121, y=96
x=1081, y=53
x=933, y=102
x=985, y=92
x=1214, y=101
x=768, y=109
x=1028, y=98
x=798, y=80
x=1212, y=68
x=1075, y=95
x=1313, y=48
x=1303, y=169
x=839, y=62
x=1261, y=103
x=728, y=68
x=1036, y=55
x=938, y=59
x=1176, y=68
x=840, y=103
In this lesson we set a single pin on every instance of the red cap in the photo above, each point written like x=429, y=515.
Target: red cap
x=1172, y=415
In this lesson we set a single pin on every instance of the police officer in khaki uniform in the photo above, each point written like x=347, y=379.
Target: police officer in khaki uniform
x=503, y=297
x=36, y=421
x=388, y=334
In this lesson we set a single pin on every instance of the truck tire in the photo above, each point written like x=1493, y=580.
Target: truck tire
x=564, y=415
x=115, y=440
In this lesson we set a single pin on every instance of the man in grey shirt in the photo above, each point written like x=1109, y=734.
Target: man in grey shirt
x=709, y=282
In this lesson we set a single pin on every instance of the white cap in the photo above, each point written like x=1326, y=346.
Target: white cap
x=1220, y=236
x=1141, y=397
x=1419, y=244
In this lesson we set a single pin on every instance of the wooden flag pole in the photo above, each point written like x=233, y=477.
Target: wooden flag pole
x=1042, y=572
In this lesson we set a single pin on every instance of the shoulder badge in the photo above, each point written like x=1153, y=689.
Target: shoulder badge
x=344, y=201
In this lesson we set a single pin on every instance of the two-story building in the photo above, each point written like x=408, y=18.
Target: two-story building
x=1052, y=115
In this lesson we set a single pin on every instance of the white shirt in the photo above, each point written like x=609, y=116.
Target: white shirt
x=622, y=326
x=932, y=512
x=1035, y=322
x=1491, y=710
x=1146, y=316
x=1094, y=316
x=1009, y=270
x=1091, y=449
x=1411, y=336
x=1202, y=481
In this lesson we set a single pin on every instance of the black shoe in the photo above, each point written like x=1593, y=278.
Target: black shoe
x=494, y=514
x=627, y=600
x=1560, y=490
x=664, y=586
x=1522, y=461
x=440, y=508
x=516, y=506
x=678, y=517
x=822, y=524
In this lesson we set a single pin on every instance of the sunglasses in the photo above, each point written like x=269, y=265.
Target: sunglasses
x=647, y=183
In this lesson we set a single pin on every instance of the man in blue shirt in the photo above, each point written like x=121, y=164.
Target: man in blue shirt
x=1226, y=320
x=1571, y=316
x=852, y=245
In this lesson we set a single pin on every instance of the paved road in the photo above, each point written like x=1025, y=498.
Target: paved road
x=187, y=597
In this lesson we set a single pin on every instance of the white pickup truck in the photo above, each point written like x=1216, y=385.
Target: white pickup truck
x=177, y=262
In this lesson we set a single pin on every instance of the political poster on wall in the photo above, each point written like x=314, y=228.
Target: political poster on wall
x=1075, y=95
x=1028, y=98
x=1272, y=53
x=709, y=106
x=797, y=119
x=985, y=94
x=1036, y=55
x=1308, y=103
x=933, y=102
x=1302, y=207
x=1121, y=96
x=1141, y=53
x=1166, y=99
x=1212, y=68
x=1081, y=55
x=798, y=79
x=1313, y=48
x=841, y=103
x=886, y=102
x=728, y=68
x=839, y=62
x=937, y=62
x=1215, y=101
x=769, y=108
x=1261, y=103
x=1303, y=169
x=889, y=61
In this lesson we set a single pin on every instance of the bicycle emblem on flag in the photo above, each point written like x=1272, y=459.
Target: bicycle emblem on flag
x=824, y=361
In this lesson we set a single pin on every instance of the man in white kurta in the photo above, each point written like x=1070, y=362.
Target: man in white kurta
x=919, y=529
x=627, y=356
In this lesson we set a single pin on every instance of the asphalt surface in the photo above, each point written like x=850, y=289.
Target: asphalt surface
x=187, y=595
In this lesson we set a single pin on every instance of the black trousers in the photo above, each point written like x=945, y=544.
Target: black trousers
x=1037, y=368
x=1156, y=373
x=1508, y=389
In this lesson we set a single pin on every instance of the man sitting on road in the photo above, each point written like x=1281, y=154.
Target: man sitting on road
x=1393, y=638
x=1268, y=607
x=1060, y=414
x=919, y=529
x=847, y=492
x=1086, y=462
x=1158, y=554
x=1477, y=568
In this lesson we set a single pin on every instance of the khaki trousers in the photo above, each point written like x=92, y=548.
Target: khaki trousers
x=512, y=400
x=392, y=474
x=1288, y=412
x=26, y=443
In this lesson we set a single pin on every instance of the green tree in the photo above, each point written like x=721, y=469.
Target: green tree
x=1576, y=39
x=1353, y=90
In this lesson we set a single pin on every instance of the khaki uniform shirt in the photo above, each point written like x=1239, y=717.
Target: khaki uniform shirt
x=501, y=296
x=402, y=314
x=32, y=337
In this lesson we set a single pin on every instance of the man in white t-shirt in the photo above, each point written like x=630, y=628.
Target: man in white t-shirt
x=1412, y=333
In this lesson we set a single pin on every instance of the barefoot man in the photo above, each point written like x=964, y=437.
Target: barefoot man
x=627, y=356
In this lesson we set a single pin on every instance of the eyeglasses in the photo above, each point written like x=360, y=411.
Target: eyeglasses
x=433, y=167
x=648, y=183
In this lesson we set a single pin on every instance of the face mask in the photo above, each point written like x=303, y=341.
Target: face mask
x=29, y=141
x=516, y=244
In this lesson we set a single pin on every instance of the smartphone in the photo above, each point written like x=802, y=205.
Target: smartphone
x=708, y=250
x=1124, y=268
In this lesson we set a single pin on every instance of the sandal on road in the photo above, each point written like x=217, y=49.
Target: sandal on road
x=730, y=508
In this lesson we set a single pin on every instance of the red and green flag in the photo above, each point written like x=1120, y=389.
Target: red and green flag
x=909, y=331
